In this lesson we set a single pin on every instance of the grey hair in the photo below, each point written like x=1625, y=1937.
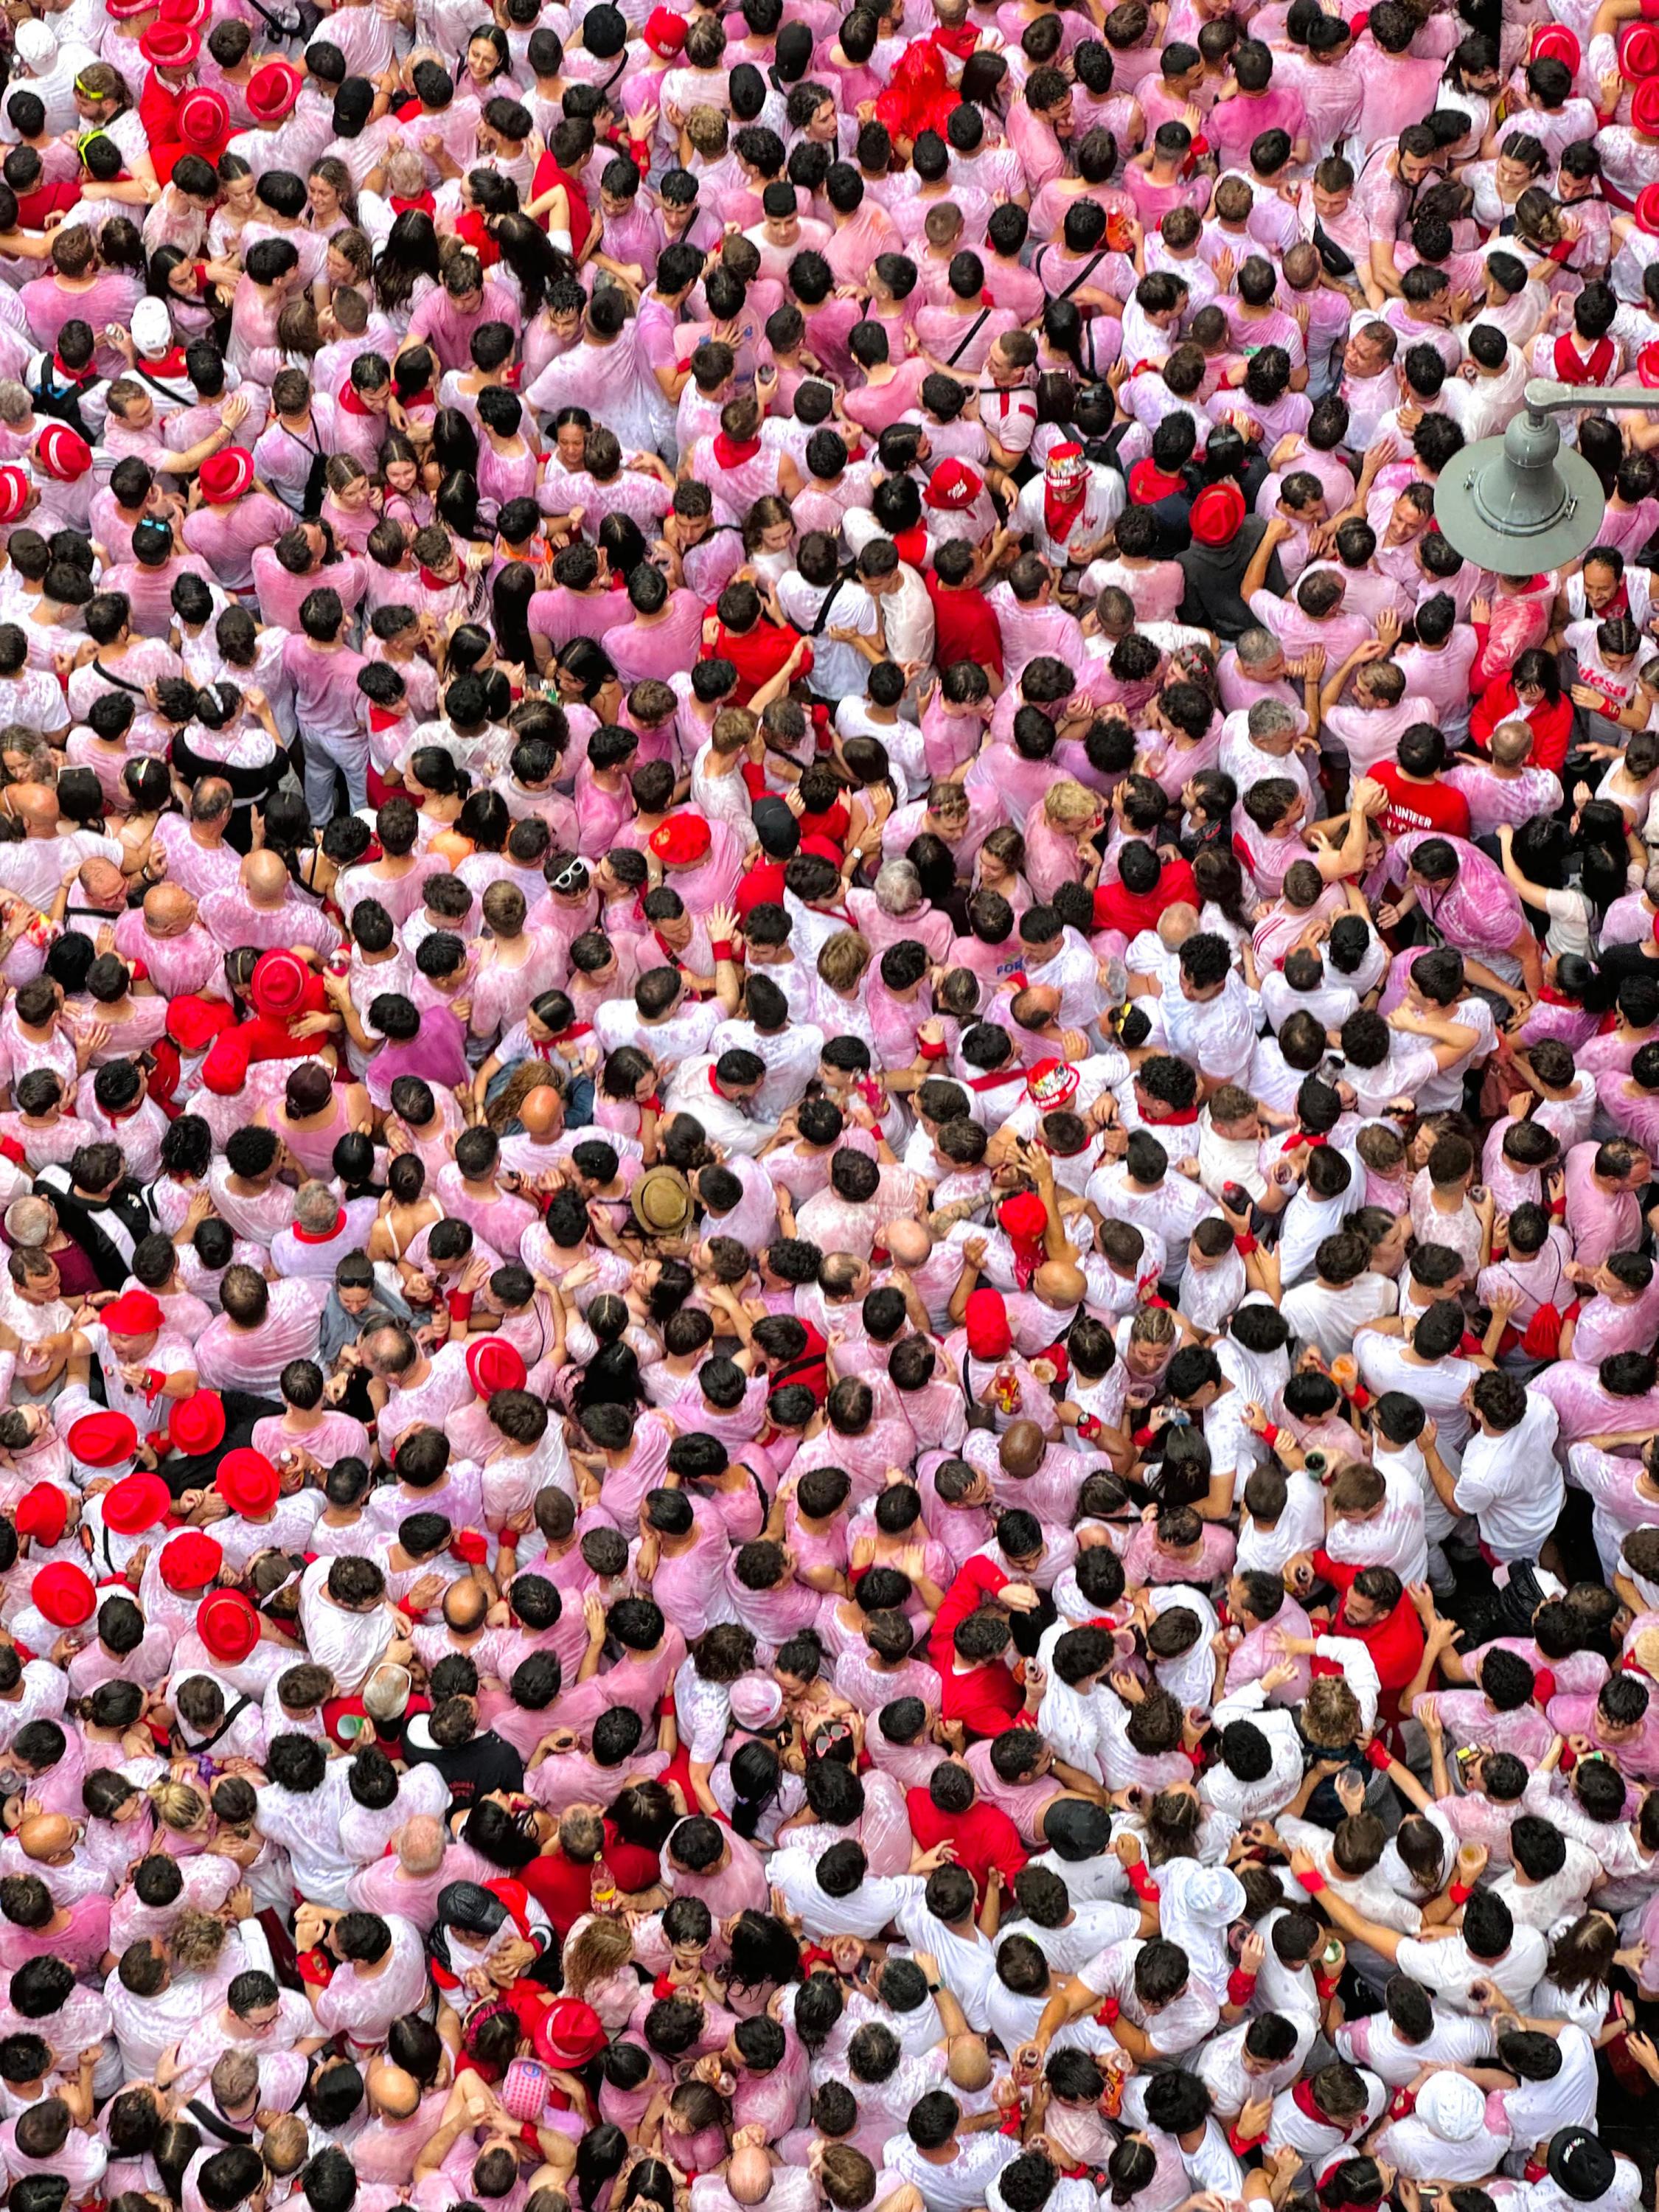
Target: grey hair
x=315, y=1208
x=29, y=1221
x=1256, y=645
x=1270, y=718
x=898, y=887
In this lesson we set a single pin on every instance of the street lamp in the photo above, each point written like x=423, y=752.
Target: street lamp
x=1522, y=501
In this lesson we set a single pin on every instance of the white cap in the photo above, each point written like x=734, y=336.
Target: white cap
x=152, y=327
x=1453, y=2107
x=35, y=45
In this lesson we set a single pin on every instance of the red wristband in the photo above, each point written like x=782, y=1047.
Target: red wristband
x=1271, y=1435
x=1313, y=1881
x=1241, y=1987
x=1460, y=1892
x=1245, y=1242
x=1379, y=1755
x=721, y=949
x=1141, y=1883
x=927, y=1051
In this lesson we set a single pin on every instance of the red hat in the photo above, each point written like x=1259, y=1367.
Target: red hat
x=1023, y=1215
x=1555, y=42
x=62, y=452
x=43, y=1510
x=14, y=493
x=1644, y=107
x=196, y=1423
x=953, y=486
x=1217, y=514
x=1647, y=364
x=1148, y=484
x=494, y=1364
x=226, y=475
x=135, y=1313
x=1051, y=1084
x=103, y=1439
x=127, y=11
x=188, y=15
x=227, y=1624
x=139, y=1501
x=247, y=1482
x=271, y=91
x=63, y=1593
x=278, y=982
x=986, y=1319
x=682, y=840
x=1638, y=50
x=225, y=1069
x=193, y=1022
x=203, y=117
x=190, y=1560
x=170, y=46
x=569, y=2033
x=1647, y=209
x=664, y=32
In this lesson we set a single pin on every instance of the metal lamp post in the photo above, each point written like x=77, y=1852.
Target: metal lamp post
x=1523, y=501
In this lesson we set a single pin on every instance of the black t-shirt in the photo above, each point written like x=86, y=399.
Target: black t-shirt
x=484, y=1762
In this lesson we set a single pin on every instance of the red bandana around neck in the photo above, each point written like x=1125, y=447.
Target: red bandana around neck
x=732, y=453
x=1574, y=367
x=434, y=582
x=321, y=1236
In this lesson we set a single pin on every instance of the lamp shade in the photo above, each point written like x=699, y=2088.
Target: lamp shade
x=1524, y=501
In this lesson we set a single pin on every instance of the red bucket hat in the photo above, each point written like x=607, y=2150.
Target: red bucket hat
x=1555, y=42
x=228, y=1626
x=1638, y=50
x=247, y=1482
x=203, y=117
x=1644, y=107
x=43, y=1511
x=196, y=1423
x=135, y=1313
x=226, y=475
x=494, y=1364
x=170, y=45
x=1216, y=513
x=191, y=1560
x=139, y=1501
x=103, y=1440
x=63, y=1593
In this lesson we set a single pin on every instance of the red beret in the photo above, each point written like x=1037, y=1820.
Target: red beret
x=226, y=1623
x=137, y=1502
x=190, y=1560
x=248, y=1481
x=43, y=1510
x=226, y=475
x=278, y=984
x=193, y=1022
x=682, y=840
x=1216, y=513
x=196, y=1423
x=103, y=1439
x=63, y=1593
x=493, y=1365
x=135, y=1313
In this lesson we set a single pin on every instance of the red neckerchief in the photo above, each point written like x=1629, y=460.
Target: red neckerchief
x=423, y=201
x=87, y=375
x=351, y=401
x=1295, y=1144
x=997, y=1077
x=425, y=401
x=714, y=1086
x=321, y=1236
x=912, y=545
x=1060, y=515
x=732, y=453
x=1176, y=1120
x=1302, y=2093
x=435, y=583
x=960, y=40
x=1572, y=368
x=387, y=718
x=171, y=365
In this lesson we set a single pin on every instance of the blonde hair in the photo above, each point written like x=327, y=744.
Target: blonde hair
x=843, y=960
x=1068, y=805
x=198, y=1939
x=705, y=126
x=179, y=1805
x=600, y=1948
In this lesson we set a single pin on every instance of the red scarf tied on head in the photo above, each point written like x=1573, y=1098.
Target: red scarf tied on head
x=986, y=1319
x=1023, y=1219
x=1064, y=490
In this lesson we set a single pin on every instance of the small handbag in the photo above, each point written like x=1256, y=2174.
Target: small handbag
x=524, y=2088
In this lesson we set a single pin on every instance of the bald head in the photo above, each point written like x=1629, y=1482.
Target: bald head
x=169, y=911
x=35, y=805
x=103, y=885
x=542, y=1112
x=464, y=1607
x=1022, y=1449
x=421, y=1844
x=264, y=878
x=1176, y=924
x=394, y=2090
x=46, y=1836
x=969, y=2064
x=749, y=2176
x=1058, y=1282
x=908, y=1242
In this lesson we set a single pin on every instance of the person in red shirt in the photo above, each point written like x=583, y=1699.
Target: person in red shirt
x=1148, y=884
x=950, y=1811
x=760, y=645
x=1376, y=1612
x=966, y=626
x=977, y=1689
x=1417, y=797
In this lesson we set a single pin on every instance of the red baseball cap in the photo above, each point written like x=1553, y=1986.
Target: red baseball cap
x=569, y=2033
x=227, y=1624
x=139, y=1501
x=247, y=1482
x=63, y=1593
x=103, y=1439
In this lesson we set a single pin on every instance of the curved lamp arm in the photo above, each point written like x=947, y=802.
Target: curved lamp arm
x=1544, y=396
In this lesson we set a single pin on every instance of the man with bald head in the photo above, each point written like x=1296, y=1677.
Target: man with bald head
x=39, y=868
x=751, y=2179
x=404, y=2118
x=265, y=910
x=199, y=855
x=97, y=896
x=166, y=934
x=541, y=1111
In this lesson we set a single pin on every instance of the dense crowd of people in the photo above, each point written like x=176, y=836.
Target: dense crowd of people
x=829, y=1110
